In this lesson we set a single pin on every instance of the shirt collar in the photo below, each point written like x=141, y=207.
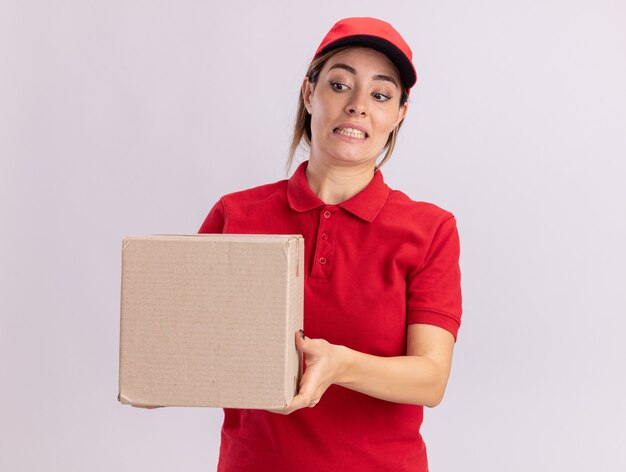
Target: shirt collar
x=366, y=204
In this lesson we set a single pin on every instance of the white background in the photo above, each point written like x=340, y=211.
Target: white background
x=133, y=117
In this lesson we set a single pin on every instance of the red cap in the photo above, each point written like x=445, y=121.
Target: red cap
x=375, y=34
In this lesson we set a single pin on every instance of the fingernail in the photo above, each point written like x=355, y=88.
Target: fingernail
x=302, y=334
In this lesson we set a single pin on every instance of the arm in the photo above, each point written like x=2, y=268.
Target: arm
x=418, y=378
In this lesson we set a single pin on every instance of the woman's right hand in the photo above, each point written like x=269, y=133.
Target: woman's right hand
x=324, y=364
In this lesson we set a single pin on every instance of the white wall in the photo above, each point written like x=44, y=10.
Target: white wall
x=133, y=117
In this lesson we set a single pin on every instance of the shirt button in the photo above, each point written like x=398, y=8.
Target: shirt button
x=324, y=236
x=322, y=260
x=327, y=214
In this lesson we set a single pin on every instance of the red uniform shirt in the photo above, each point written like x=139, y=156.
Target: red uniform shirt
x=373, y=264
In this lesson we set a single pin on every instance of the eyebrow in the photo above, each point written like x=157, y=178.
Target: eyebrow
x=352, y=70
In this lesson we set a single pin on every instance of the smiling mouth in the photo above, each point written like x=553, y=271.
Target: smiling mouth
x=350, y=132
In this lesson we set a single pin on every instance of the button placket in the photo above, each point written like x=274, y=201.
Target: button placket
x=323, y=259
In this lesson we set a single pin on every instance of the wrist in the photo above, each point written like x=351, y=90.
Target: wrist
x=345, y=357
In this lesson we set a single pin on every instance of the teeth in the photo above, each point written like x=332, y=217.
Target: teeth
x=351, y=132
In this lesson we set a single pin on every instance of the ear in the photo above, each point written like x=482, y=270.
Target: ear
x=401, y=114
x=307, y=93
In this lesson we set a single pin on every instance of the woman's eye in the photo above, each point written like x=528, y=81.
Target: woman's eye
x=338, y=86
x=380, y=97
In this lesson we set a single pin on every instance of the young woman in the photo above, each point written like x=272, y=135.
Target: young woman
x=382, y=286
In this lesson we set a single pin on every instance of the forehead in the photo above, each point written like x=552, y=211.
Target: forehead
x=364, y=60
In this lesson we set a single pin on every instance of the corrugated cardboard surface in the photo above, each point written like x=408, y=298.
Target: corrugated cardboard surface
x=210, y=320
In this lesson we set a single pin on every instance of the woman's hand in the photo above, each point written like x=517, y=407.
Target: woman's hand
x=325, y=362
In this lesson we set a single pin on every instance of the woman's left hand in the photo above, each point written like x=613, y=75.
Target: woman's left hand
x=324, y=365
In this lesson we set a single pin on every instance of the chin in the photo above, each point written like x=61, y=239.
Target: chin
x=345, y=155
x=358, y=159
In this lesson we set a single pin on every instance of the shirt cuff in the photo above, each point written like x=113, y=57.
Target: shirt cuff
x=447, y=322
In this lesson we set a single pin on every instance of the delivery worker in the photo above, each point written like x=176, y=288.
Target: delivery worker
x=382, y=302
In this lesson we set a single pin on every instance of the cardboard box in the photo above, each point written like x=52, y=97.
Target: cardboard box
x=210, y=320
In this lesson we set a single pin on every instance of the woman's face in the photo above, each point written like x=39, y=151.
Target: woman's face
x=354, y=105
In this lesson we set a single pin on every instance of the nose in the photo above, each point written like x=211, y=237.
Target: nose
x=357, y=105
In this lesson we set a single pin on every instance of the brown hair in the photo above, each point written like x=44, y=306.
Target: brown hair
x=302, y=125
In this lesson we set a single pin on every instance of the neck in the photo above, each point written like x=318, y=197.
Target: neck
x=336, y=184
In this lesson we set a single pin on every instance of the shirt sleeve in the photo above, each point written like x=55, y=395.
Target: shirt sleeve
x=215, y=220
x=434, y=288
